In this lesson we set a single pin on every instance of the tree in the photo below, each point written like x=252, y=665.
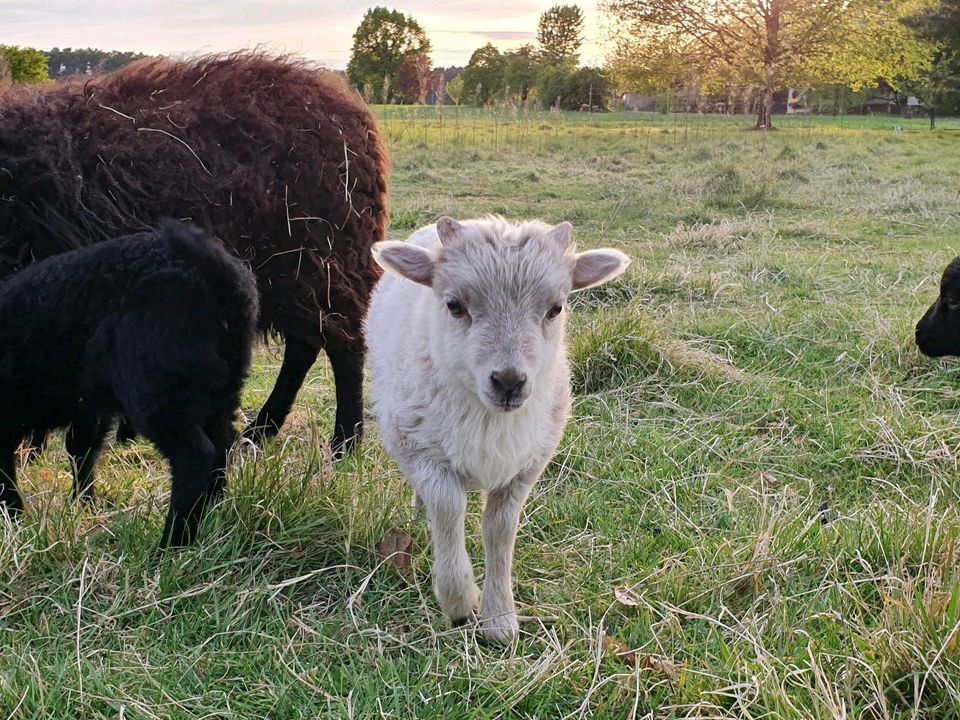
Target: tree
x=939, y=87
x=770, y=44
x=521, y=70
x=483, y=78
x=66, y=62
x=25, y=65
x=445, y=93
x=938, y=21
x=6, y=79
x=648, y=68
x=572, y=88
x=560, y=34
x=415, y=78
x=440, y=98
x=382, y=41
x=455, y=89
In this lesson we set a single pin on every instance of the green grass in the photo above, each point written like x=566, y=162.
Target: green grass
x=755, y=512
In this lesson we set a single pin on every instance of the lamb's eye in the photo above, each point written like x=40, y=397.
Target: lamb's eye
x=456, y=308
x=953, y=304
x=554, y=311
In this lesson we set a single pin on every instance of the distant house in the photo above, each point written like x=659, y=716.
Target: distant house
x=884, y=100
x=796, y=103
x=638, y=102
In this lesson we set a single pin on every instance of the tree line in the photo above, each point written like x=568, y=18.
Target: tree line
x=766, y=46
x=28, y=65
x=741, y=53
x=390, y=62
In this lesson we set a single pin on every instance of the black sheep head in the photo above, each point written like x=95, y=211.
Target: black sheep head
x=938, y=332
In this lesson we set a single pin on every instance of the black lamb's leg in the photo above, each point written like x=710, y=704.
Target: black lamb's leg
x=298, y=358
x=125, y=431
x=38, y=441
x=193, y=458
x=347, y=367
x=9, y=495
x=84, y=441
x=221, y=433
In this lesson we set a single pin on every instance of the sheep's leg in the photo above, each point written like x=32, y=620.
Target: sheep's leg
x=84, y=441
x=221, y=434
x=500, y=519
x=38, y=441
x=10, y=498
x=298, y=358
x=348, y=376
x=446, y=504
x=125, y=431
x=193, y=457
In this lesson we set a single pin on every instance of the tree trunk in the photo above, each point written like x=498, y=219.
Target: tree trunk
x=771, y=56
x=765, y=111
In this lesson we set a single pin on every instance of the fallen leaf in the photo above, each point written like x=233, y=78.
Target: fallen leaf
x=657, y=664
x=623, y=653
x=768, y=479
x=667, y=667
x=731, y=506
x=626, y=597
x=395, y=549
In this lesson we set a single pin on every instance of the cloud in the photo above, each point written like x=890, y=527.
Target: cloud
x=492, y=34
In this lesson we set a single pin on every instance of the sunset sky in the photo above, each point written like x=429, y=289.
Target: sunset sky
x=319, y=29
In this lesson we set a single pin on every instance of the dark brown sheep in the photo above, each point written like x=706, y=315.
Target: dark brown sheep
x=278, y=159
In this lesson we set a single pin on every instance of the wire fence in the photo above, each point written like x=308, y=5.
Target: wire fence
x=514, y=130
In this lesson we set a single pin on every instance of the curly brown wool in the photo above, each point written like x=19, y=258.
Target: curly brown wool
x=280, y=160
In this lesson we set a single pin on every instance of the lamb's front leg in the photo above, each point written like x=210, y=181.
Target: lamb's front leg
x=500, y=519
x=445, y=500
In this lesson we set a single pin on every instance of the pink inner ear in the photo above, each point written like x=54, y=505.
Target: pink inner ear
x=596, y=267
x=408, y=261
x=562, y=234
x=447, y=228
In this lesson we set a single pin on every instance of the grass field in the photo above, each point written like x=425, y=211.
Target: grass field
x=755, y=512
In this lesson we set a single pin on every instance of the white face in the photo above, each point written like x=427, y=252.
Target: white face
x=501, y=293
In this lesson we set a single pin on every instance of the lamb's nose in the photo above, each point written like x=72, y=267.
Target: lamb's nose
x=508, y=383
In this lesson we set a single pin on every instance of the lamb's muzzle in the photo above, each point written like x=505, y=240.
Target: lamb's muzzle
x=509, y=388
x=471, y=382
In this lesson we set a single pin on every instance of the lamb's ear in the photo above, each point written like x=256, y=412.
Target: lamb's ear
x=562, y=235
x=409, y=261
x=448, y=229
x=596, y=267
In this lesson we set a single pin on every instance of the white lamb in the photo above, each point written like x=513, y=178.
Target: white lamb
x=471, y=383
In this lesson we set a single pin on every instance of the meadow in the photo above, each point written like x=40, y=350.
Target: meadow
x=755, y=512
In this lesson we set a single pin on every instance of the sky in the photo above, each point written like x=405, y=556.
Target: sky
x=321, y=30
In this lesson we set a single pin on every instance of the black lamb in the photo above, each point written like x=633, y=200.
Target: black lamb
x=157, y=326
x=938, y=331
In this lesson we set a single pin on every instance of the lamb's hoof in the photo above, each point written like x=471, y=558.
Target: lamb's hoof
x=125, y=433
x=257, y=435
x=459, y=601
x=468, y=619
x=501, y=629
x=341, y=445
